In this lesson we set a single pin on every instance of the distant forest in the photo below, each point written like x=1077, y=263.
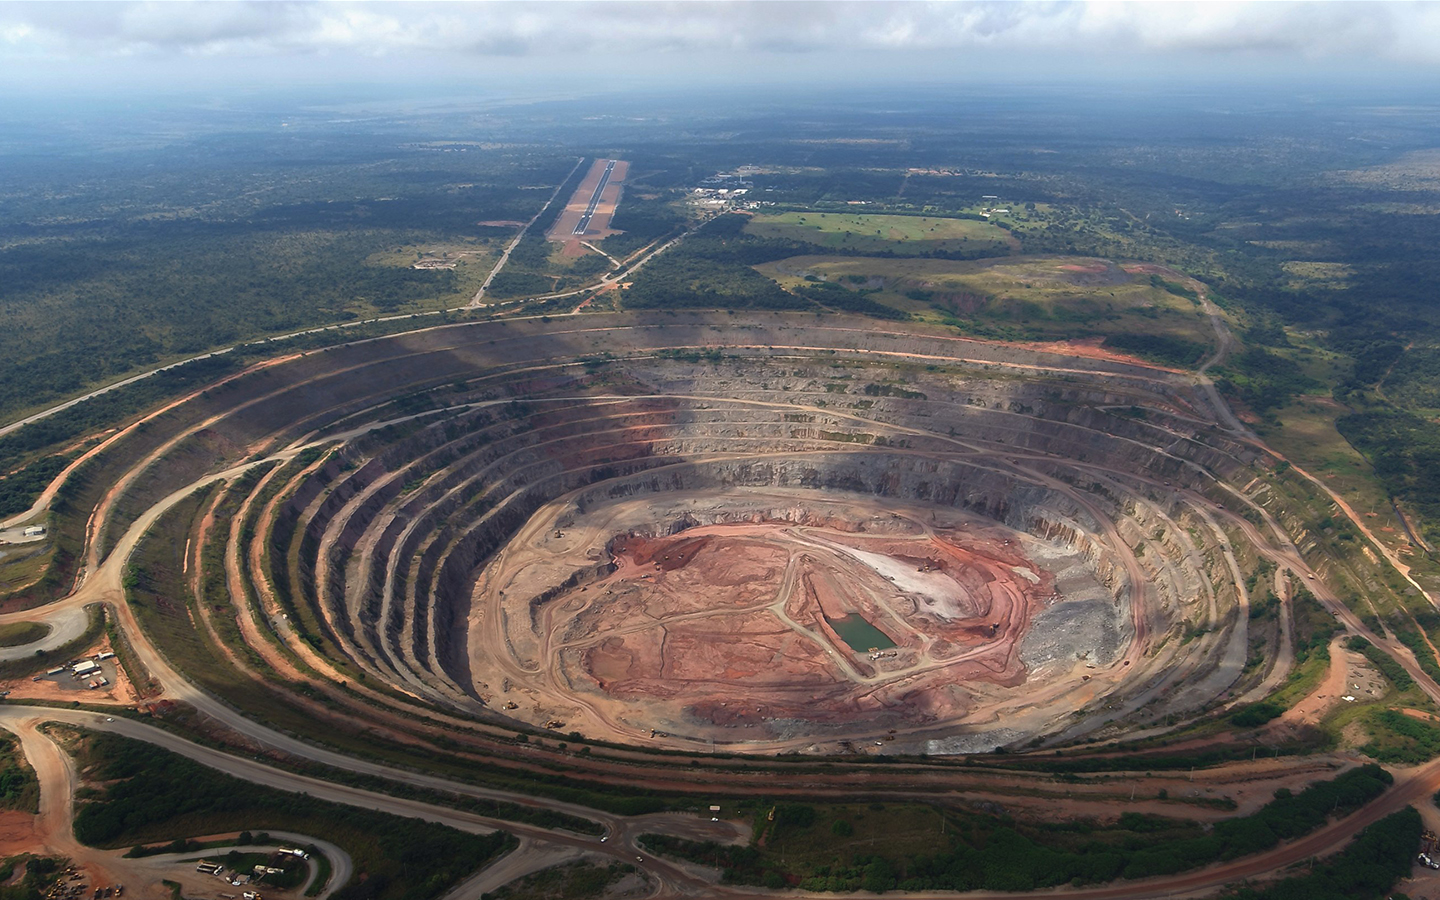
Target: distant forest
x=127, y=243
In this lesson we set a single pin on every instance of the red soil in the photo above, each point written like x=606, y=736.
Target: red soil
x=734, y=622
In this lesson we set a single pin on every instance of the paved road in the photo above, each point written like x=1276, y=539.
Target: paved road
x=531, y=856
x=44, y=414
x=60, y=407
x=614, y=263
x=57, y=772
x=65, y=626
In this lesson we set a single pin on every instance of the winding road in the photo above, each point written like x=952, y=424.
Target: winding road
x=542, y=847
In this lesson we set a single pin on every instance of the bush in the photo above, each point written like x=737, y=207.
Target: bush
x=1366, y=870
x=794, y=815
x=1256, y=714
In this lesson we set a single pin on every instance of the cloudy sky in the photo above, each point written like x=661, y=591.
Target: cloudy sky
x=119, y=46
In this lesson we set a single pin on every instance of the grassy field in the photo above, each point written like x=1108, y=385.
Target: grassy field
x=843, y=832
x=1412, y=383
x=1306, y=275
x=20, y=633
x=1018, y=298
x=539, y=266
x=23, y=565
x=904, y=235
x=19, y=788
x=1307, y=437
x=473, y=258
x=879, y=847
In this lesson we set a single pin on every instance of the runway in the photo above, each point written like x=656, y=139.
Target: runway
x=584, y=222
x=590, y=207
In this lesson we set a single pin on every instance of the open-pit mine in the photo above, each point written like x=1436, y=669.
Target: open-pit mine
x=791, y=535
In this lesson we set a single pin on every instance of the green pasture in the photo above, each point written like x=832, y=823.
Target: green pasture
x=866, y=233
x=1021, y=298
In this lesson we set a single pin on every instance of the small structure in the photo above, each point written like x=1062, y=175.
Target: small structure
x=35, y=531
x=87, y=667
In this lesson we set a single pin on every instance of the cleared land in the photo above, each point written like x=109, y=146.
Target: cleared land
x=588, y=212
x=853, y=620
x=1028, y=297
x=903, y=235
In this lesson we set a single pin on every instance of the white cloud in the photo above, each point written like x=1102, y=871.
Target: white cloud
x=15, y=34
x=1399, y=33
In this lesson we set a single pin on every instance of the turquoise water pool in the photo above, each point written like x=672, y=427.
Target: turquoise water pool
x=859, y=634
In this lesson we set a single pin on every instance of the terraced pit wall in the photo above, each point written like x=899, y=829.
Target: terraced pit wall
x=387, y=544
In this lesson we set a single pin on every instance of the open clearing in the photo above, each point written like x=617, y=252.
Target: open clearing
x=904, y=235
x=592, y=204
x=1035, y=297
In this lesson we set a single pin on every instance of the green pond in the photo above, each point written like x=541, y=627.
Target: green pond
x=859, y=634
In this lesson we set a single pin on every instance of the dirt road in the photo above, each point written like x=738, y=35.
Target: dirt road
x=151, y=871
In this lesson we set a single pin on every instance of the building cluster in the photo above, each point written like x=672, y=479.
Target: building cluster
x=992, y=210
x=86, y=670
x=723, y=190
